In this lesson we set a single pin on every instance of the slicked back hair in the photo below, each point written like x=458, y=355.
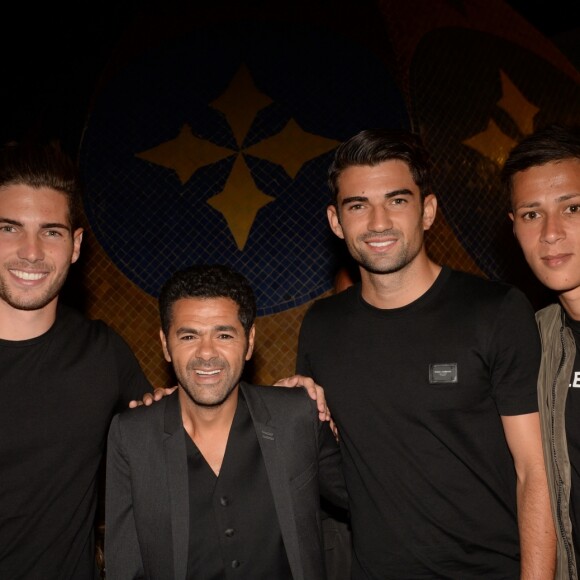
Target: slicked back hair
x=37, y=165
x=374, y=146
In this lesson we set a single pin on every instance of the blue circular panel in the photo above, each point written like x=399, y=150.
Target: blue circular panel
x=215, y=149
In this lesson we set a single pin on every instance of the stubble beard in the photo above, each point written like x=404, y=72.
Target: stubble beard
x=30, y=300
x=190, y=389
x=383, y=265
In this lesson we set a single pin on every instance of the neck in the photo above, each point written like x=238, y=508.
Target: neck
x=570, y=302
x=204, y=422
x=18, y=324
x=209, y=428
x=398, y=289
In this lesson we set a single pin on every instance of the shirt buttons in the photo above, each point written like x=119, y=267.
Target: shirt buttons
x=224, y=500
x=229, y=532
x=235, y=563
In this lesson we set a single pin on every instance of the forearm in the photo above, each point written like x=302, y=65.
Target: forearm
x=536, y=527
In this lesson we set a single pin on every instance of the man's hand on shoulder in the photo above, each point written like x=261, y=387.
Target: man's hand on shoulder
x=150, y=398
x=316, y=392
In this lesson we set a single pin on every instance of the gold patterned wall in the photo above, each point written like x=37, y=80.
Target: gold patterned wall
x=211, y=131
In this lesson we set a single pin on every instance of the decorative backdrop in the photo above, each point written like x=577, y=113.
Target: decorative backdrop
x=212, y=129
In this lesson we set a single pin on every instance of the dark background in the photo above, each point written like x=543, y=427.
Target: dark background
x=53, y=56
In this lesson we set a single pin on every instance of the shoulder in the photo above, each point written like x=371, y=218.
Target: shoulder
x=478, y=287
x=135, y=422
x=550, y=317
x=335, y=304
x=283, y=398
x=71, y=320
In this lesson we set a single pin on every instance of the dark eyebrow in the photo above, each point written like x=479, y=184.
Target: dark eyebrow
x=47, y=226
x=353, y=198
x=226, y=327
x=388, y=195
x=9, y=221
x=567, y=197
x=535, y=203
x=219, y=328
x=55, y=225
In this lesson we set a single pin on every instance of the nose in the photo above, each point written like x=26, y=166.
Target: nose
x=379, y=220
x=31, y=248
x=552, y=230
x=205, y=348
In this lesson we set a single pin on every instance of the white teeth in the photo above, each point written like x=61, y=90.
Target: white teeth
x=28, y=275
x=207, y=372
x=379, y=244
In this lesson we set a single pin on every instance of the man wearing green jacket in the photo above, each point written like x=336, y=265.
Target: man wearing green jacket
x=542, y=177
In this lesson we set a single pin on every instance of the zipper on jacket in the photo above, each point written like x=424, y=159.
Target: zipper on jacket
x=560, y=482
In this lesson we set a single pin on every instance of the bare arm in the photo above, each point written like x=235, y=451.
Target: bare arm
x=536, y=526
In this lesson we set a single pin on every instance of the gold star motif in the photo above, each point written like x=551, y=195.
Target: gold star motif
x=516, y=105
x=240, y=103
x=492, y=142
x=292, y=147
x=240, y=201
x=185, y=154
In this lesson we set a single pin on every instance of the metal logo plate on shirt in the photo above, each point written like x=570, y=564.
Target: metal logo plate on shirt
x=443, y=373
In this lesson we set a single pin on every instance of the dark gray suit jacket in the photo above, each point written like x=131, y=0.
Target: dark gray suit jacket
x=147, y=497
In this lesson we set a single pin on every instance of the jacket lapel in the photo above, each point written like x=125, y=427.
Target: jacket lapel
x=272, y=452
x=178, y=483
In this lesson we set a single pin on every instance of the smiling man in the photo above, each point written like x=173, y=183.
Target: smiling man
x=63, y=376
x=542, y=177
x=430, y=375
x=222, y=478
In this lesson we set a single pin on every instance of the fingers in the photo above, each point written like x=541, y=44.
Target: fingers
x=334, y=428
x=293, y=381
x=315, y=392
x=150, y=398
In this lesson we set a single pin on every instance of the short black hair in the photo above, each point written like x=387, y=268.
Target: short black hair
x=373, y=146
x=553, y=143
x=39, y=165
x=208, y=281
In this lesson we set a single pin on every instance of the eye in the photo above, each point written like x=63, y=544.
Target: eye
x=529, y=216
x=7, y=228
x=573, y=209
x=225, y=336
x=399, y=201
x=53, y=234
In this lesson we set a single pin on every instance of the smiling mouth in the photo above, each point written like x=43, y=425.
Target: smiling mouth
x=207, y=373
x=29, y=276
x=381, y=244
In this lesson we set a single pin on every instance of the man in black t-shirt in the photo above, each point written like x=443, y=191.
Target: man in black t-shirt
x=542, y=178
x=63, y=376
x=430, y=376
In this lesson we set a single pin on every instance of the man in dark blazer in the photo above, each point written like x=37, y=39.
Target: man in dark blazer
x=220, y=479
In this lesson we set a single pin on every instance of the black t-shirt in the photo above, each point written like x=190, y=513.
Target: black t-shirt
x=572, y=422
x=417, y=393
x=59, y=392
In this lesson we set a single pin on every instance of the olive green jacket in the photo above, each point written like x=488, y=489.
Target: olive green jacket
x=558, y=352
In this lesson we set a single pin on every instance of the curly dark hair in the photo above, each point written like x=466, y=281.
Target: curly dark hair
x=208, y=281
